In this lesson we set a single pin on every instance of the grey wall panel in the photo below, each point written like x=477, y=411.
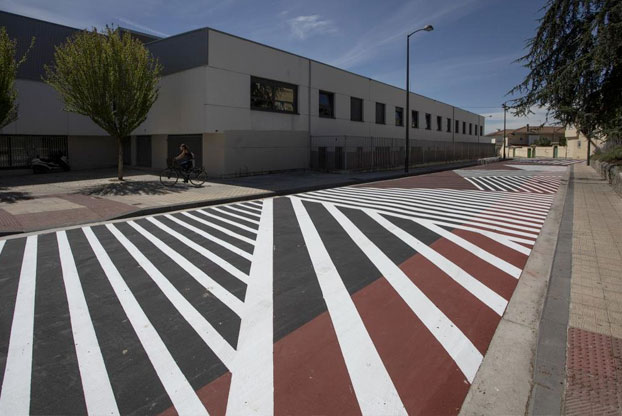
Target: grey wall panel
x=181, y=52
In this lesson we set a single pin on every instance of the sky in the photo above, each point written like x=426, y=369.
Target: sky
x=467, y=61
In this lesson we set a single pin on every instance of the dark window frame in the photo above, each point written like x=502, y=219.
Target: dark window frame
x=331, y=97
x=457, y=126
x=414, y=122
x=399, y=122
x=464, y=127
x=356, y=99
x=481, y=130
x=470, y=129
x=448, y=125
x=275, y=84
x=439, y=123
x=384, y=113
x=428, y=121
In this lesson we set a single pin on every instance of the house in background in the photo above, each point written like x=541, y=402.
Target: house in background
x=241, y=106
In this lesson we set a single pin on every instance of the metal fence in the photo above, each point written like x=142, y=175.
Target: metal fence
x=18, y=150
x=353, y=153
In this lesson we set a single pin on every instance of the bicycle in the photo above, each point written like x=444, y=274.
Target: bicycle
x=170, y=175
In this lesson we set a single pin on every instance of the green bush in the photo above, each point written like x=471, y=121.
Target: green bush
x=611, y=155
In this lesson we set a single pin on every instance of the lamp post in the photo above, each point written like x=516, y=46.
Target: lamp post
x=505, y=110
x=427, y=28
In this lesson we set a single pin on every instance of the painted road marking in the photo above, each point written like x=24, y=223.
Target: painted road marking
x=98, y=393
x=252, y=381
x=225, y=220
x=234, y=215
x=373, y=386
x=457, y=345
x=175, y=383
x=15, y=393
x=216, y=227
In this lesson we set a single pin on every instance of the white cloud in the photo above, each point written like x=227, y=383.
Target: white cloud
x=141, y=27
x=304, y=26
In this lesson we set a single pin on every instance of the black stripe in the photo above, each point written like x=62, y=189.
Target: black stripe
x=10, y=268
x=135, y=383
x=213, y=231
x=217, y=221
x=250, y=222
x=226, y=322
x=56, y=386
x=198, y=363
x=297, y=295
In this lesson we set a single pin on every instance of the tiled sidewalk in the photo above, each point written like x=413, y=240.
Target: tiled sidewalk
x=594, y=354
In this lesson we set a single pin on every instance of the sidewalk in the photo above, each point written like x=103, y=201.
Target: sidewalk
x=36, y=202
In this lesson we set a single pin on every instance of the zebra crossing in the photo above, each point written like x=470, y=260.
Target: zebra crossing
x=366, y=299
x=543, y=161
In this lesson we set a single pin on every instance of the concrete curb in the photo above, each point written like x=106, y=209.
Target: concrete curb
x=503, y=384
x=141, y=212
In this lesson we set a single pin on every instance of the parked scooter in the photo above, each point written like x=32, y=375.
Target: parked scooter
x=48, y=165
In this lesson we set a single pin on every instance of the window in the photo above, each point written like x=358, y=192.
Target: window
x=414, y=123
x=380, y=111
x=579, y=144
x=448, y=125
x=327, y=104
x=464, y=127
x=481, y=130
x=269, y=95
x=356, y=109
x=399, y=116
x=439, y=123
x=470, y=128
x=457, y=129
x=428, y=121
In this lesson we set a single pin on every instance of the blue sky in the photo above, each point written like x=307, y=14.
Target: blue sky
x=466, y=61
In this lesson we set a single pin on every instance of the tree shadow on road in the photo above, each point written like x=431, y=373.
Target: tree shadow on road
x=11, y=197
x=132, y=188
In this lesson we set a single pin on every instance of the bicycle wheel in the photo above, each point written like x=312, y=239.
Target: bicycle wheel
x=169, y=177
x=198, y=177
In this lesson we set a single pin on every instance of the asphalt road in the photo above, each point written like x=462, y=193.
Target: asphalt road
x=374, y=299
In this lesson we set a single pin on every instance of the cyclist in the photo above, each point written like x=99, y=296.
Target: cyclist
x=185, y=158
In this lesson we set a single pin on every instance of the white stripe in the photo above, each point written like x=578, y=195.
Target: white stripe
x=2, y=245
x=457, y=345
x=527, y=200
x=500, y=238
x=484, y=184
x=256, y=203
x=175, y=383
x=478, y=222
x=373, y=387
x=252, y=381
x=407, y=201
x=474, y=183
x=525, y=185
x=197, y=274
x=222, y=263
x=478, y=206
x=251, y=207
x=482, y=292
x=472, y=248
x=231, y=214
x=15, y=393
x=98, y=393
x=216, y=227
x=508, y=184
x=208, y=236
x=235, y=224
x=240, y=208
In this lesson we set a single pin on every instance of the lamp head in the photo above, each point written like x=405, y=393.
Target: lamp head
x=428, y=28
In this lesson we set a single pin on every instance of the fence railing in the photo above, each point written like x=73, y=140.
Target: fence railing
x=355, y=153
x=16, y=151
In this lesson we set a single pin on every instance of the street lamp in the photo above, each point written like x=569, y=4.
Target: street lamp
x=427, y=28
x=505, y=110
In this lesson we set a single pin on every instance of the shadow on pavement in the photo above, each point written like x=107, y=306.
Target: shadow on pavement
x=11, y=196
x=29, y=178
x=131, y=188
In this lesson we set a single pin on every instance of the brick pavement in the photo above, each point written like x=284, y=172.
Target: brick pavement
x=594, y=354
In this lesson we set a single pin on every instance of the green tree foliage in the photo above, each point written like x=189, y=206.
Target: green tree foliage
x=575, y=67
x=8, y=71
x=110, y=77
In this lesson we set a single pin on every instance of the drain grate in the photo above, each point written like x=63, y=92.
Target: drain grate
x=594, y=374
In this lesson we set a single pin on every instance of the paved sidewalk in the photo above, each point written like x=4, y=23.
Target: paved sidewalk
x=594, y=351
x=37, y=202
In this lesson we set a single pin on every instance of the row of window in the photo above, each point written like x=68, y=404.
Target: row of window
x=269, y=95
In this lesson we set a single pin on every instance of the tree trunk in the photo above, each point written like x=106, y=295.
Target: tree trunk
x=120, y=161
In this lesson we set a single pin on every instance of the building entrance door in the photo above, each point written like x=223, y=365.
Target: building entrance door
x=529, y=152
x=555, y=151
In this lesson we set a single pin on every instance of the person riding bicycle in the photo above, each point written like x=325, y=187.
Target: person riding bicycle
x=185, y=158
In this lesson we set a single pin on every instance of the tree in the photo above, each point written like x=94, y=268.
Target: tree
x=110, y=77
x=8, y=72
x=575, y=67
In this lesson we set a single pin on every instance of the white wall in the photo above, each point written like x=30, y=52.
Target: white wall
x=41, y=113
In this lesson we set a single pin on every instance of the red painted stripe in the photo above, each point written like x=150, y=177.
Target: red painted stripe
x=448, y=179
x=425, y=376
x=511, y=256
x=310, y=376
x=496, y=279
x=213, y=396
